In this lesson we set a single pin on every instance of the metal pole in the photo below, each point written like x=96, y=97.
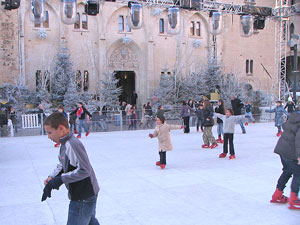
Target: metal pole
x=295, y=71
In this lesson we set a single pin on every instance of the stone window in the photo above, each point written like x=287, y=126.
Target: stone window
x=77, y=21
x=44, y=24
x=82, y=80
x=195, y=28
x=85, y=80
x=249, y=66
x=78, y=81
x=161, y=26
x=84, y=21
x=192, y=28
x=124, y=24
x=121, y=23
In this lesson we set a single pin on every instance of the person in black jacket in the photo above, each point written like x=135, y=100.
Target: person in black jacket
x=208, y=123
x=74, y=170
x=288, y=148
x=81, y=111
x=237, y=106
x=220, y=109
x=199, y=113
x=290, y=106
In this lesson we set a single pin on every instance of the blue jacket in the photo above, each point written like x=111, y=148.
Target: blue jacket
x=279, y=111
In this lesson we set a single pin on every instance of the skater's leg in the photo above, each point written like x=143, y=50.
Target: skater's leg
x=242, y=126
x=83, y=212
x=225, y=146
x=163, y=158
x=286, y=174
x=80, y=126
x=296, y=176
x=205, y=136
x=211, y=138
x=231, y=146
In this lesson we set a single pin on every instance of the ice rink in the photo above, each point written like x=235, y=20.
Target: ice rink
x=196, y=188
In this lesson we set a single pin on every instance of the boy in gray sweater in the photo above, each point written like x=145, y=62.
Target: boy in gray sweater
x=229, y=122
x=74, y=170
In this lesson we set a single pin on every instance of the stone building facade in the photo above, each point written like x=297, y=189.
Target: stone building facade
x=105, y=42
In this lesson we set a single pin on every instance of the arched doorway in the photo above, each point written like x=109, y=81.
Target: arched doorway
x=127, y=84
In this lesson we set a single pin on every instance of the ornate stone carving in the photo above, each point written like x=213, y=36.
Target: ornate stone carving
x=123, y=58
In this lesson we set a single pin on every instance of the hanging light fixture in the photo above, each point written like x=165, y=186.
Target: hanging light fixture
x=216, y=22
x=68, y=10
x=135, y=19
x=173, y=21
x=246, y=25
x=38, y=11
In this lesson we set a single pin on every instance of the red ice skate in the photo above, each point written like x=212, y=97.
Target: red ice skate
x=219, y=140
x=231, y=157
x=87, y=134
x=57, y=145
x=278, y=197
x=205, y=146
x=214, y=146
x=222, y=155
x=294, y=201
x=78, y=136
x=75, y=132
x=162, y=166
x=279, y=134
x=157, y=163
x=246, y=124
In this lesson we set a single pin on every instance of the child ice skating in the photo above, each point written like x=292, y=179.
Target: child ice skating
x=162, y=132
x=221, y=110
x=229, y=122
x=208, y=123
x=81, y=111
x=288, y=148
x=279, y=112
x=74, y=170
x=248, y=113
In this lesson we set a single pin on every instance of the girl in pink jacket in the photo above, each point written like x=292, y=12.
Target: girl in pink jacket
x=162, y=132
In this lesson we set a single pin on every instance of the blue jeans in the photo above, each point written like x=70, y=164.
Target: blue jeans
x=220, y=129
x=249, y=116
x=289, y=168
x=83, y=212
x=81, y=124
x=242, y=126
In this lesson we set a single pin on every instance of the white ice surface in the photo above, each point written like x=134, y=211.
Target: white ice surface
x=196, y=187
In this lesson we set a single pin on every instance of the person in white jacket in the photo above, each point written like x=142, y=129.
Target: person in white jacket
x=229, y=122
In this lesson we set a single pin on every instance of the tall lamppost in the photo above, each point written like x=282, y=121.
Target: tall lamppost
x=293, y=43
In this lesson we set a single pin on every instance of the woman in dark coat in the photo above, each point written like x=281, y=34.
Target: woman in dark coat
x=288, y=148
x=185, y=114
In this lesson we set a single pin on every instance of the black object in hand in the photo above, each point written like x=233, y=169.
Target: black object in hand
x=54, y=183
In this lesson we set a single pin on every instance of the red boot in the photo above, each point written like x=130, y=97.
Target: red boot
x=246, y=124
x=278, y=197
x=222, y=155
x=213, y=145
x=87, y=134
x=294, y=201
x=219, y=140
x=78, y=136
x=231, y=157
x=157, y=163
x=75, y=132
x=205, y=146
x=162, y=166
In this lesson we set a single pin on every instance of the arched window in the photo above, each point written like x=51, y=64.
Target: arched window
x=77, y=21
x=44, y=24
x=84, y=21
x=85, y=80
x=78, y=81
x=161, y=26
x=292, y=29
x=195, y=28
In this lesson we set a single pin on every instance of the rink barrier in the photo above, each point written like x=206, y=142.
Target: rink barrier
x=30, y=121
